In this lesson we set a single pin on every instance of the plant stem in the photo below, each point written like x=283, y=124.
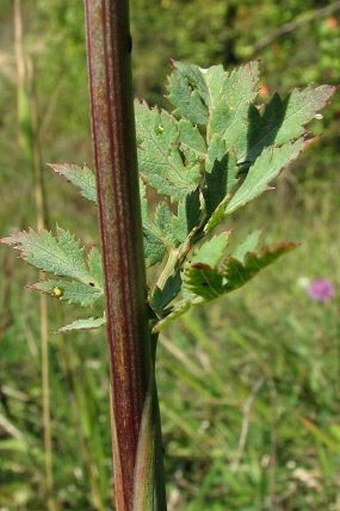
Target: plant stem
x=113, y=133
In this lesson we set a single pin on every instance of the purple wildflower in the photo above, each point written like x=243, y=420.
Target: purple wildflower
x=321, y=290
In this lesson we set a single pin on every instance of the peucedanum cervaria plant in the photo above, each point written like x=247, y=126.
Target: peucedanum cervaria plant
x=212, y=154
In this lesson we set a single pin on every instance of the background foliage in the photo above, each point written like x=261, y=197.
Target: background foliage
x=249, y=387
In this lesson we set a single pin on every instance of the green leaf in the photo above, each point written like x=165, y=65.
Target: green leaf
x=83, y=324
x=230, y=95
x=217, y=216
x=217, y=152
x=206, y=282
x=283, y=120
x=154, y=246
x=221, y=179
x=70, y=291
x=188, y=92
x=203, y=266
x=265, y=169
x=61, y=255
x=189, y=214
x=190, y=138
x=95, y=265
x=202, y=280
x=164, y=220
x=237, y=134
x=249, y=244
x=212, y=252
x=160, y=160
x=201, y=275
x=237, y=273
x=167, y=231
x=80, y=176
x=215, y=98
x=154, y=249
x=162, y=297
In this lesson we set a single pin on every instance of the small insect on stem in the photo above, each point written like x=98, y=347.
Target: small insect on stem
x=57, y=292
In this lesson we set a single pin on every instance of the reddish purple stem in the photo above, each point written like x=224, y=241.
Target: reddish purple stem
x=113, y=132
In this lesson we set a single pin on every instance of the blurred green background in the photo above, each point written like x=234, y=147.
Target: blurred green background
x=249, y=386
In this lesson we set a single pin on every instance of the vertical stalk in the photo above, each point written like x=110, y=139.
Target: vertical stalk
x=113, y=133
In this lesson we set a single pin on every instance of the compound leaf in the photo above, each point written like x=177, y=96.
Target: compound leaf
x=217, y=152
